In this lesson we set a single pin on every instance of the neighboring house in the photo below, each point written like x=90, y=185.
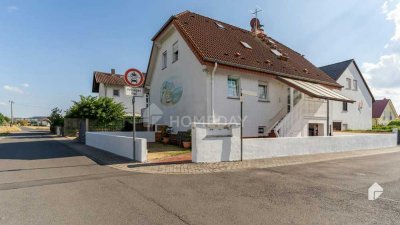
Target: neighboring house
x=198, y=67
x=351, y=116
x=383, y=111
x=113, y=85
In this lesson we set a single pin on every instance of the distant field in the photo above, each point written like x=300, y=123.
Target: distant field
x=7, y=129
x=38, y=127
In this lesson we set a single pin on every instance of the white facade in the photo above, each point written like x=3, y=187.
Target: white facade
x=358, y=115
x=112, y=90
x=181, y=93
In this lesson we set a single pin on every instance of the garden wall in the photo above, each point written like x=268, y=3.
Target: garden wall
x=119, y=145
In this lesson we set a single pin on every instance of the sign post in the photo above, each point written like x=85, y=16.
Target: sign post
x=134, y=79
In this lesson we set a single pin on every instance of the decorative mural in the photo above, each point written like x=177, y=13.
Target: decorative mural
x=171, y=92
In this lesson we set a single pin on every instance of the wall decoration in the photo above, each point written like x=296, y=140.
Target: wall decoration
x=171, y=92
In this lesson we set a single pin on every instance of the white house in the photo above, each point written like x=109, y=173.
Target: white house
x=113, y=85
x=351, y=116
x=198, y=67
x=383, y=111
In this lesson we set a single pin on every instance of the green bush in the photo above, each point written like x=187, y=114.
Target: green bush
x=394, y=123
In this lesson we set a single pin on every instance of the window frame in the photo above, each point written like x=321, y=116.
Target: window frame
x=266, y=90
x=237, y=87
x=119, y=93
x=164, y=60
x=348, y=83
x=355, y=85
x=345, y=107
x=175, y=51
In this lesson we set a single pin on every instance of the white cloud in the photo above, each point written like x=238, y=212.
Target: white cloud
x=12, y=8
x=25, y=85
x=384, y=75
x=13, y=89
x=3, y=104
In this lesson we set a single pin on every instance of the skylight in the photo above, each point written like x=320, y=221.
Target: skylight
x=220, y=26
x=246, y=45
x=276, y=52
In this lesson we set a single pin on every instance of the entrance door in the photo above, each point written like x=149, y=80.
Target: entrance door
x=337, y=126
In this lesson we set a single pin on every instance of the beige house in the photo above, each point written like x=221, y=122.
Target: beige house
x=383, y=111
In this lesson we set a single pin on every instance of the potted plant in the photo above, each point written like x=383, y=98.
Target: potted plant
x=165, y=133
x=187, y=141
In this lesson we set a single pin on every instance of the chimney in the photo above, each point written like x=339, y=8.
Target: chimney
x=112, y=71
x=256, y=27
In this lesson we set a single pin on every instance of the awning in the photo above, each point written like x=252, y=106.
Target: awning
x=314, y=90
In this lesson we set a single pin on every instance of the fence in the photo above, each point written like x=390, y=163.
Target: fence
x=221, y=142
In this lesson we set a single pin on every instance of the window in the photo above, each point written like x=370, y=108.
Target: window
x=115, y=92
x=220, y=26
x=296, y=97
x=355, y=85
x=345, y=106
x=276, y=52
x=175, y=52
x=348, y=80
x=147, y=100
x=164, y=60
x=233, y=88
x=390, y=116
x=261, y=130
x=263, y=92
x=246, y=45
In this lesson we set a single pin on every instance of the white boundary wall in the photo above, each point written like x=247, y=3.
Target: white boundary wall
x=221, y=142
x=215, y=142
x=119, y=145
x=150, y=136
x=259, y=148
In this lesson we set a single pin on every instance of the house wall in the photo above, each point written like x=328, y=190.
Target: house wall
x=356, y=118
x=107, y=91
x=187, y=77
x=255, y=113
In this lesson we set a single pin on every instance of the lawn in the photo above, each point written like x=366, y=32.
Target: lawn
x=158, y=151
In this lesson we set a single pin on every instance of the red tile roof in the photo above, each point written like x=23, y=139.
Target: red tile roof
x=108, y=79
x=212, y=44
x=378, y=107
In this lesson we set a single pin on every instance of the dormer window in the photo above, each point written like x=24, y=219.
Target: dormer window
x=276, y=52
x=220, y=26
x=246, y=45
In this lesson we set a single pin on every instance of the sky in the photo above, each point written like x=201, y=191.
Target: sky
x=49, y=49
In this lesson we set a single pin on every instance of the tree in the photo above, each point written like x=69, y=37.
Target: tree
x=4, y=119
x=56, y=118
x=103, y=109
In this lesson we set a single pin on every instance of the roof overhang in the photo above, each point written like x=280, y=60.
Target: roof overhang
x=314, y=90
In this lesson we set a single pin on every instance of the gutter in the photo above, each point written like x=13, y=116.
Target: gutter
x=212, y=91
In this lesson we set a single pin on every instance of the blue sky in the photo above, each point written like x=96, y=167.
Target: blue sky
x=49, y=49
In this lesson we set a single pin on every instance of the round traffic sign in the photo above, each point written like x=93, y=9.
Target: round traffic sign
x=134, y=78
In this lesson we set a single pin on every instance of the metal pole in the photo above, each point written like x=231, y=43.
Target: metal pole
x=12, y=117
x=241, y=125
x=327, y=118
x=134, y=127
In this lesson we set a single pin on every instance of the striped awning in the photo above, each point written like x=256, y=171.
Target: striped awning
x=314, y=90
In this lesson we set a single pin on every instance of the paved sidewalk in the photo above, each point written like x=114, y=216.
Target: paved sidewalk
x=124, y=164
x=202, y=168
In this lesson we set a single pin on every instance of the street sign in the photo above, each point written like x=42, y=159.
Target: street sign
x=250, y=93
x=134, y=91
x=134, y=78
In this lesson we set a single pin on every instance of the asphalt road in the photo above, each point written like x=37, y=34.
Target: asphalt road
x=43, y=181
